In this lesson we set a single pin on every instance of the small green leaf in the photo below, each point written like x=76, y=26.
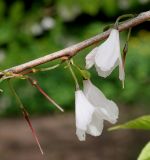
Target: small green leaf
x=145, y=153
x=85, y=74
x=138, y=123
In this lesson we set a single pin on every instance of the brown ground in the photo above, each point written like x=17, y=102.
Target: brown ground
x=57, y=137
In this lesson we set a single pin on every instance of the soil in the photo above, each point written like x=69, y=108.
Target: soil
x=59, y=142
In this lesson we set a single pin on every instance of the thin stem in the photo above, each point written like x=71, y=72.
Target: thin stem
x=122, y=17
x=125, y=49
x=15, y=94
x=49, y=98
x=129, y=33
x=73, y=75
x=26, y=115
x=35, y=70
x=49, y=68
x=34, y=83
x=108, y=27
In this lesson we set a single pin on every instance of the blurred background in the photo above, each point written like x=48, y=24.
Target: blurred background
x=31, y=29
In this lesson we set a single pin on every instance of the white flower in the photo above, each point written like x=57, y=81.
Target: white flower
x=107, y=56
x=92, y=108
x=48, y=23
x=36, y=29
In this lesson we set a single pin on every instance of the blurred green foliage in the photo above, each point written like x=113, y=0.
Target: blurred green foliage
x=30, y=29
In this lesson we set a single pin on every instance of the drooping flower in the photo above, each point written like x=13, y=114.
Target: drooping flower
x=107, y=56
x=92, y=108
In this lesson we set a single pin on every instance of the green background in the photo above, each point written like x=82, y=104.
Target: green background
x=73, y=21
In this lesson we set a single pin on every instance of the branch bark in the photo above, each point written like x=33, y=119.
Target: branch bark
x=73, y=50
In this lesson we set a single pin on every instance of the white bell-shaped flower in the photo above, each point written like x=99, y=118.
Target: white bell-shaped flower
x=107, y=56
x=92, y=108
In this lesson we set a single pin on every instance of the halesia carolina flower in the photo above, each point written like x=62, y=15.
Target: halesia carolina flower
x=92, y=108
x=107, y=56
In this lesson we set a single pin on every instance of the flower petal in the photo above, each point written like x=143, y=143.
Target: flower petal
x=80, y=134
x=121, y=70
x=106, y=109
x=109, y=111
x=92, y=93
x=84, y=110
x=90, y=58
x=96, y=126
x=108, y=53
x=105, y=73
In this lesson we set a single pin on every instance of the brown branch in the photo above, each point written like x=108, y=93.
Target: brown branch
x=73, y=50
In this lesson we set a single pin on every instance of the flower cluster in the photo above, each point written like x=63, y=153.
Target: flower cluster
x=91, y=105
